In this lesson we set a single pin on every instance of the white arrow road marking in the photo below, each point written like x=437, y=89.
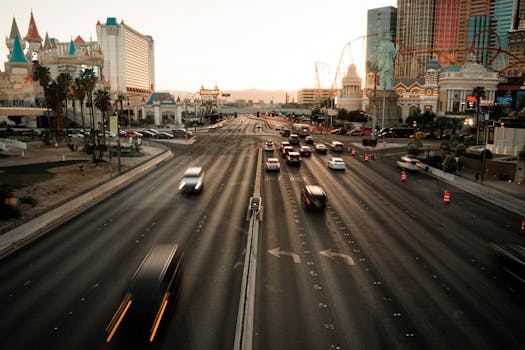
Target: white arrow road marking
x=278, y=252
x=331, y=255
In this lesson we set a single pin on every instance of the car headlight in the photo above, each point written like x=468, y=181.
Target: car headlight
x=182, y=185
x=198, y=185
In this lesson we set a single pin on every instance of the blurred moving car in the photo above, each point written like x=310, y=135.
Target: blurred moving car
x=337, y=146
x=305, y=151
x=293, y=158
x=511, y=259
x=272, y=164
x=321, y=148
x=152, y=294
x=268, y=146
x=132, y=133
x=309, y=140
x=313, y=197
x=192, y=180
x=409, y=164
x=336, y=163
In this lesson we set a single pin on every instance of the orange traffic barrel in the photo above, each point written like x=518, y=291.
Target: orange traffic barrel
x=522, y=226
x=353, y=151
x=366, y=157
x=446, y=197
x=403, y=176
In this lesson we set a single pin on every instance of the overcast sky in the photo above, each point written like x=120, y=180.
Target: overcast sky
x=232, y=44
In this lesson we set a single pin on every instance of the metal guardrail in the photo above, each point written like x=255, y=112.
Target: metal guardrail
x=245, y=315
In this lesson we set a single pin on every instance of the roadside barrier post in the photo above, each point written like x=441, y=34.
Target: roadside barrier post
x=446, y=197
x=403, y=176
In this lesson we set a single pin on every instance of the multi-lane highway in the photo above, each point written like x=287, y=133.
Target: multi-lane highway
x=386, y=265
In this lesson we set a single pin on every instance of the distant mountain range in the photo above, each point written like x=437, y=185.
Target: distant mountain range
x=255, y=95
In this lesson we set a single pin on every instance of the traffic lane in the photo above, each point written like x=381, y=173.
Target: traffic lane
x=430, y=266
x=59, y=308
x=207, y=312
x=289, y=312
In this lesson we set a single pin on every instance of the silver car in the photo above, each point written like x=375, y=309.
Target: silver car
x=336, y=163
x=192, y=180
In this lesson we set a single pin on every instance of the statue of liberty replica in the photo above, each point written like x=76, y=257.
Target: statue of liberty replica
x=386, y=55
x=386, y=112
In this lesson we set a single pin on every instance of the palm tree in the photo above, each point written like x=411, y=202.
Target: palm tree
x=64, y=83
x=79, y=93
x=479, y=93
x=43, y=76
x=89, y=80
x=103, y=104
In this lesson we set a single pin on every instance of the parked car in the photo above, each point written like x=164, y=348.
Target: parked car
x=164, y=135
x=420, y=135
x=309, y=140
x=181, y=133
x=192, y=180
x=272, y=164
x=313, y=197
x=336, y=163
x=321, y=148
x=305, y=151
x=293, y=158
x=132, y=133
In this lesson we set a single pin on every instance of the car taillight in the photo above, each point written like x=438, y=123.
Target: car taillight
x=307, y=200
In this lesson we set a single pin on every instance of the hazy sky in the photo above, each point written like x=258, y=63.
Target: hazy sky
x=234, y=44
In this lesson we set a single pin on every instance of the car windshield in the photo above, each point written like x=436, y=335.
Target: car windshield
x=126, y=125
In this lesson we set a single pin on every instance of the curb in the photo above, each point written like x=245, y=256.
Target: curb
x=504, y=200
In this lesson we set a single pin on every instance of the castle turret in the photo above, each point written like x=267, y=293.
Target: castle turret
x=33, y=38
x=10, y=41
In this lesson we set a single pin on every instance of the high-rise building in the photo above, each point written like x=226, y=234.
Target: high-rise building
x=502, y=13
x=446, y=31
x=386, y=18
x=516, y=49
x=128, y=58
x=415, y=36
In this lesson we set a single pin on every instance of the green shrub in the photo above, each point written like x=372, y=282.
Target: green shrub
x=445, y=145
x=29, y=200
x=461, y=149
x=450, y=165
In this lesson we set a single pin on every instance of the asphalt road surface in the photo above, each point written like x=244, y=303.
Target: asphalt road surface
x=387, y=265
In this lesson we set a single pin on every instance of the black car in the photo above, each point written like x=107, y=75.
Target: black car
x=309, y=140
x=151, y=296
x=305, y=151
x=321, y=148
x=293, y=158
x=313, y=197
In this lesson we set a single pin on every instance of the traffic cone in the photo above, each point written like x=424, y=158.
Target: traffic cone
x=366, y=157
x=522, y=230
x=353, y=151
x=446, y=197
x=403, y=176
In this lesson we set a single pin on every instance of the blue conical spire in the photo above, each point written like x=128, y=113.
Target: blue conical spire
x=72, y=48
x=18, y=53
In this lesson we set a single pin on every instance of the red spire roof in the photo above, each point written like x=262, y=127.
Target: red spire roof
x=79, y=40
x=32, y=32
